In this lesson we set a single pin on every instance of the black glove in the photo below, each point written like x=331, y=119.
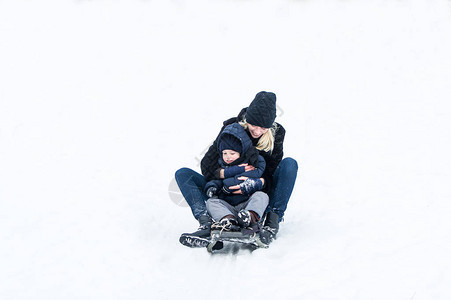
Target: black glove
x=211, y=191
x=252, y=156
x=226, y=190
x=251, y=185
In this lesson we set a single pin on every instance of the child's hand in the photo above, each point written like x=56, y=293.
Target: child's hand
x=212, y=191
x=251, y=185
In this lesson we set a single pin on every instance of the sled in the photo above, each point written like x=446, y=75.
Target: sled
x=240, y=237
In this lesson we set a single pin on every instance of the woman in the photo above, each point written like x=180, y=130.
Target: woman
x=278, y=178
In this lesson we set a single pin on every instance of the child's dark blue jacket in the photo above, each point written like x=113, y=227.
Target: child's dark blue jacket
x=249, y=155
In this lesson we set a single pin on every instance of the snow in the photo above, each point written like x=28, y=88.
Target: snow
x=102, y=101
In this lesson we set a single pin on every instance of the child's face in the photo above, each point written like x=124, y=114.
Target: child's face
x=229, y=156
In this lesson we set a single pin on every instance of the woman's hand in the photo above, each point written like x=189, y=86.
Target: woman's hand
x=247, y=167
x=248, y=186
x=252, y=186
x=236, y=188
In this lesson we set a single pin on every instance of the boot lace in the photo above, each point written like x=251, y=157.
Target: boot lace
x=270, y=229
x=223, y=225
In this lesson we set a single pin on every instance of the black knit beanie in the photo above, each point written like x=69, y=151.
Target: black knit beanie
x=230, y=142
x=262, y=110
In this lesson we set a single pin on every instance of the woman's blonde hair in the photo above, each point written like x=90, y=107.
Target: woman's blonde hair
x=266, y=141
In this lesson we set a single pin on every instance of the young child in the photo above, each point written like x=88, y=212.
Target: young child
x=229, y=209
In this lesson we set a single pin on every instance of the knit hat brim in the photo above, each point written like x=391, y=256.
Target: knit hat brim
x=230, y=142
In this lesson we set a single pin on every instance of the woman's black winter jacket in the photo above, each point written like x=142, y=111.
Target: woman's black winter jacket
x=210, y=166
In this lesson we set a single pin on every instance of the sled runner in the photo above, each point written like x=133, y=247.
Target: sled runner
x=242, y=237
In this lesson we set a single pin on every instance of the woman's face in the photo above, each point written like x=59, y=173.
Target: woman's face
x=256, y=131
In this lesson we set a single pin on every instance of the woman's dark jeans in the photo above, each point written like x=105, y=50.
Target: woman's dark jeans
x=192, y=184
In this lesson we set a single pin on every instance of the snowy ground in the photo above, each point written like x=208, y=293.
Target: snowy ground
x=102, y=101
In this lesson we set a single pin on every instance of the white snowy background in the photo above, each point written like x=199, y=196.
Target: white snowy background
x=102, y=101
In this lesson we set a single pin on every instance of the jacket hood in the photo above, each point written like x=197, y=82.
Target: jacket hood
x=239, y=133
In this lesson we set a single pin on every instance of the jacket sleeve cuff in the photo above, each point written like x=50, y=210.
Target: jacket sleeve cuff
x=218, y=173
